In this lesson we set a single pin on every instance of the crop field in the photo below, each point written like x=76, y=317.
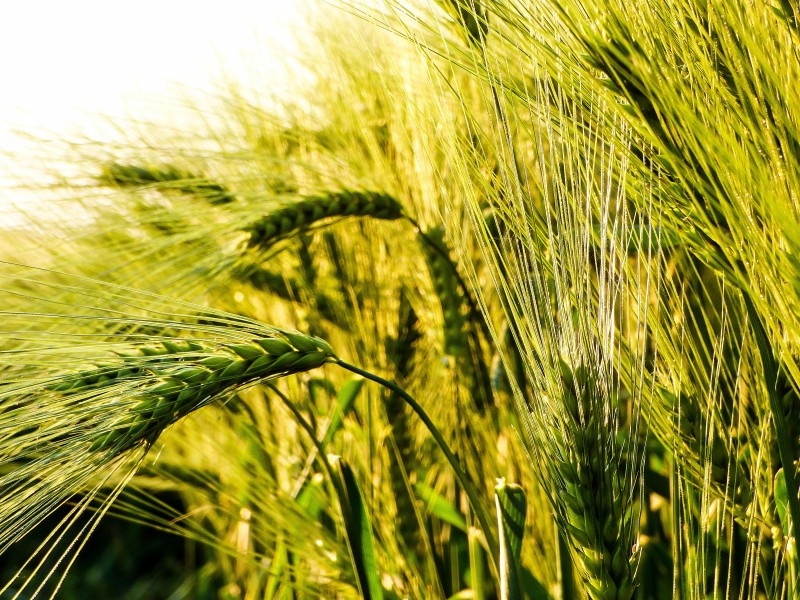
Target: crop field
x=503, y=302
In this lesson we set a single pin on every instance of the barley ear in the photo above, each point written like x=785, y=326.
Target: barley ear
x=462, y=322
x=293, y=218
x=400, y=352
x=173, y=380
x=593, y=490
x=165, y=179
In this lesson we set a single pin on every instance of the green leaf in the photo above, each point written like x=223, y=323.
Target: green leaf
x=359, y=533
x=344, y=402
x=438, y=506
x=512, y=509
x=533, y=588
x=312, y=498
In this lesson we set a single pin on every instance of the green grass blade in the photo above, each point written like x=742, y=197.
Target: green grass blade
x=566, y=576
x=438, y=506
x=511, y=511
x=344, y=402
x=359, y=533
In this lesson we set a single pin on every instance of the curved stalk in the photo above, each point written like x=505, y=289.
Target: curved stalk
x=472, y=494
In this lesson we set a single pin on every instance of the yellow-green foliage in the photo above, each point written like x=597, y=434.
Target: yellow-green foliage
x=617, y=186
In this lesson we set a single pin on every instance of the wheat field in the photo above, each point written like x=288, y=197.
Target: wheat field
x=501, y=303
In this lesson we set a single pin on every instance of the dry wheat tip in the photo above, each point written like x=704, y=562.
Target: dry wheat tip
x=176, y=378
x=299, y=215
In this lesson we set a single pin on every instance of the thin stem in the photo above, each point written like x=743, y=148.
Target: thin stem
x=463, y=480
x=341, y=493
x=770, y=365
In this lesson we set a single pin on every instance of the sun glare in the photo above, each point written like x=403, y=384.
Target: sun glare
x=79, y=66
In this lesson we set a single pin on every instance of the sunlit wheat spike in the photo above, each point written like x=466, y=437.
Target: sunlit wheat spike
x=297, y=216
x=170, y=382
x=441, y=268
x=401, y=352
x=595, y=493
x=91, y=374
x=460, y=320
x=53, y=428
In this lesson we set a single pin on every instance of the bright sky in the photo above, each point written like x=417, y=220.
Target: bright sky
x=65, y=63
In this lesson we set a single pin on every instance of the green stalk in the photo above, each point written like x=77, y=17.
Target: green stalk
x=475, y=565
x=677, y=554
x=358, y=528
x=784, y=448
x=566, y=579
x=474, y=498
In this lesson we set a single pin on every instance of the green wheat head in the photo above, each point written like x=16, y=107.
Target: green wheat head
x=305, y=213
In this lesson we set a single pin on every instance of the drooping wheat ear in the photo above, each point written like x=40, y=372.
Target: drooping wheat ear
x=437, y=256
x=400, y=353
x=461, y=320
x=594, y=492
x=179, y=377
x=166, y=178
x=300, y=215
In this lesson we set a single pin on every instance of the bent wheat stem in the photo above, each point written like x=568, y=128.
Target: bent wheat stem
x=481, y=514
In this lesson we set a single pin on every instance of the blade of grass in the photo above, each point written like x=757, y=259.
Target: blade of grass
x=463, y=480
x=359, y=532
x=511, y=508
